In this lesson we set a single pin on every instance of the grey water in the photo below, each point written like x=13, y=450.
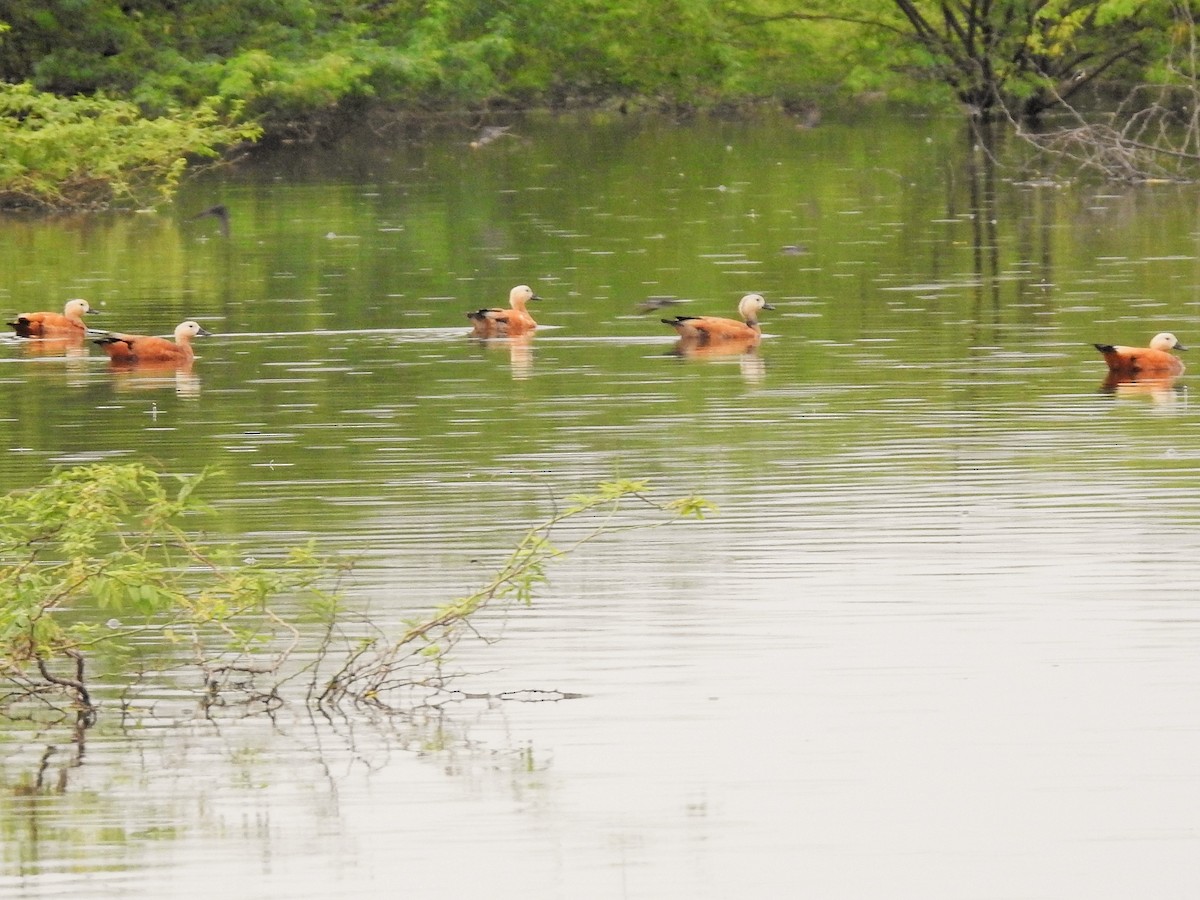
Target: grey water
x=939, y=638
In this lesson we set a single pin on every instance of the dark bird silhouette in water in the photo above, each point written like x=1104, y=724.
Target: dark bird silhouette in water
x=650, y=304
x=219, y=212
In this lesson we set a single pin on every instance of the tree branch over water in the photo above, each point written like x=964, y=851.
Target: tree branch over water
x=95, y=566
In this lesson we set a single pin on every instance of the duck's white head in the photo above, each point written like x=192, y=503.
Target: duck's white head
x=185, y=331
x=522, y=293
x=77, y=307
x=750, y=306
x=1166, y=341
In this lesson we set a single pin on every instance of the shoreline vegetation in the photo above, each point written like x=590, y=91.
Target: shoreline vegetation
x=108, y=103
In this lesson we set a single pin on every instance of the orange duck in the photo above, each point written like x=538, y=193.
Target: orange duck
x=48, y=324
x=137, y=348
x=499, y=322
x=702, y=330
x=1130, y=362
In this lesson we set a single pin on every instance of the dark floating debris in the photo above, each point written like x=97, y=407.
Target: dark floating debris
x=489, y=134
x=219, y=212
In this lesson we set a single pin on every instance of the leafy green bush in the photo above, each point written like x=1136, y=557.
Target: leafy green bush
x=95, y=152
x=95, y=558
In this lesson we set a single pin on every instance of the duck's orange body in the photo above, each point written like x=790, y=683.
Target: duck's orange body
x=138, y=348
x=50, y=324
x=514, y=320
x=703, y=330
x=1153, y=360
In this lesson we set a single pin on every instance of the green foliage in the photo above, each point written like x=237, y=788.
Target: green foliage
x=86, y=152
x=284, y=61
x=189, y=77
x=1020, y=57
x=103, y=544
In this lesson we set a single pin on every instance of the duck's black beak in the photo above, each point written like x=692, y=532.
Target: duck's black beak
x=767, y=306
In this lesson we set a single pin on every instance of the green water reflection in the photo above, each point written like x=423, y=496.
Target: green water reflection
x=928, y=273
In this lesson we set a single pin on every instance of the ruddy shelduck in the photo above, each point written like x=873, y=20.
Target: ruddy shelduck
x=49, y=324
x=703, y=330
x=137, y=348
x=1156, y=359
x=514, y=320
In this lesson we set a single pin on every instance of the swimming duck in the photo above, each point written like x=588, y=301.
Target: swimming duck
x=1155, y=359
x=706, y=329
x=40, y=324
x=515, y=320
x=129, y=348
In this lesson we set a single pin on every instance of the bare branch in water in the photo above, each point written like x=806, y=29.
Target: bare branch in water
x=1152, y=135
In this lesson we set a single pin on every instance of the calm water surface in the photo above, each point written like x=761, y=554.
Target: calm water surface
x=940, y=640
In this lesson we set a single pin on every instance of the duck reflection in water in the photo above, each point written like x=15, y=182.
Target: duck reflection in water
x=71, y=345
x=753, y=366
x=156, y=376
x=1161, y=390
x=520, y=352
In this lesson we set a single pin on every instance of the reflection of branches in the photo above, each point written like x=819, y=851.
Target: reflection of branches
x=1160, y=139
x=377, y=668
x=53, y=770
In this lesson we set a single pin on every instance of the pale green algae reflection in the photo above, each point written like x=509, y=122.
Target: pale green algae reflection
x=939, y=642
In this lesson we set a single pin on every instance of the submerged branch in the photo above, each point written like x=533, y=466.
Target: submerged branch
x=1152, y=135
x=1153, y=144
x=76, y=685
